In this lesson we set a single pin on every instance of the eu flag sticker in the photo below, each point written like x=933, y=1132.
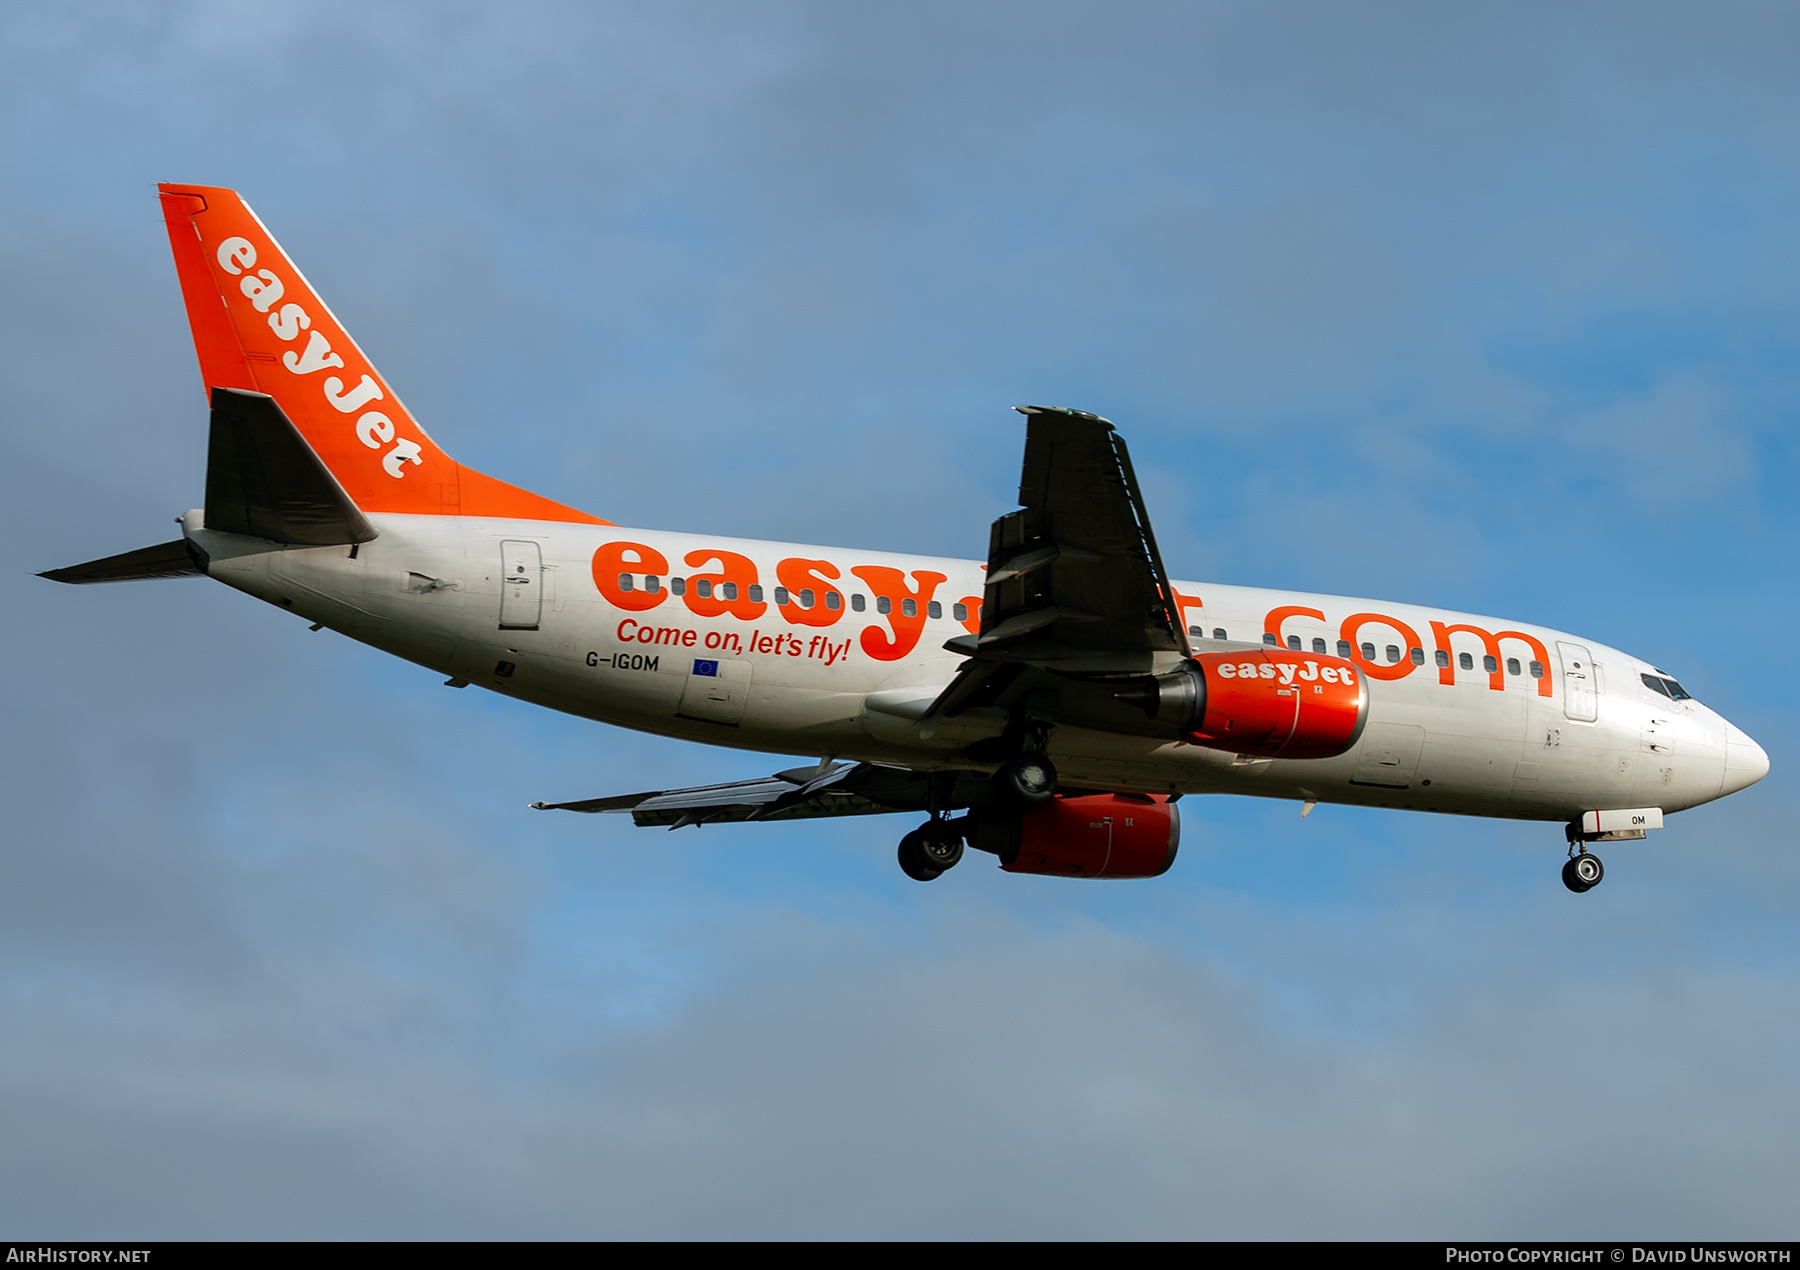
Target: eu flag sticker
x=709, y=668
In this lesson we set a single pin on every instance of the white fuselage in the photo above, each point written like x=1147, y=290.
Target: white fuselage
x=1578, y=731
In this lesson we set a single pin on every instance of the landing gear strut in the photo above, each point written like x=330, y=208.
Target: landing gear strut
x=931, y=849
x=1583, y=872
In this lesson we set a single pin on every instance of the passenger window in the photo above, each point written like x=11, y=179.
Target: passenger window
x=1490, y=665
x=1319, y=647
x=703, y=588
x=1677, y=691
x=1393, y=652
x=1368, y=652
x=730, y=590
x=833, y=600
x=1512, y=665
x=857, y=603
x=1654, y=684
x=961, y=612
x=1443, y=658
x=781, y=595
x=677, y=586
x=1218, y=632
x=909, y=607
x=934, y=610
x=1417, y=655
x=1344, y=649
x=807, y=598
x=625, y=584
x=755, y=593
x=652, y=583
x=883, y=604
x=1537, y=669
x=1465, y=661
x=1269, y=639
x=1294, y=643
x=1198, y=632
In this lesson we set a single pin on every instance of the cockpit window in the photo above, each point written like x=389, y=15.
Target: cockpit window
x=1654, y=684
x=1676, y=690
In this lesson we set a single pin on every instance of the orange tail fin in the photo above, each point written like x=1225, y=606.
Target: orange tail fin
x=273, y=334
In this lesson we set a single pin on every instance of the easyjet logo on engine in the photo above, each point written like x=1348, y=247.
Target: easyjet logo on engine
x=265, y=290
x=1287, y=671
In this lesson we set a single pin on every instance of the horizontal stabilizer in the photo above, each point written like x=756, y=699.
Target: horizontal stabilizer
x=264, y=480
x=165, y=560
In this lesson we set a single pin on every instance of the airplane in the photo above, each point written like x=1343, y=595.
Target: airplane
x=1049, y=706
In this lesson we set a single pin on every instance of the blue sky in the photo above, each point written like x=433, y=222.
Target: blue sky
x=1495, y=308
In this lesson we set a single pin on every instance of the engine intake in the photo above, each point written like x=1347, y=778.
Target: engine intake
x=1268, y=702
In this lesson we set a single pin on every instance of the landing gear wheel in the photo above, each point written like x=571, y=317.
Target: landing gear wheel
x=940, y=845
x=913, y=859
x=1028, y=780
x=1583, y=872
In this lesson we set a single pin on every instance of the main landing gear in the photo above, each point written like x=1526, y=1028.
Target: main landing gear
x=936, y=846
x=931, y=849
x=1027, y=780
x=1583, y=871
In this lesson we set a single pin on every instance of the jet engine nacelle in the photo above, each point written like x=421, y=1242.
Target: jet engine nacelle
x=1268, y=701
x=1082, y=836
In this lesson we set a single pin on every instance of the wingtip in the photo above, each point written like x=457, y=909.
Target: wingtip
x=1068, y=411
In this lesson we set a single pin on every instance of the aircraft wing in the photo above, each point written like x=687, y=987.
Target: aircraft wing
x=1077, y=596
x=1075, y=575
x=803, y=793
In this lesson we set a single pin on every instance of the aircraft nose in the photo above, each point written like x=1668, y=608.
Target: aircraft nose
x=1745, y=761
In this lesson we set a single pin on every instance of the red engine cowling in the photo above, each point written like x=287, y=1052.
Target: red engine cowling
x=1267, y=701
x=1084, y=836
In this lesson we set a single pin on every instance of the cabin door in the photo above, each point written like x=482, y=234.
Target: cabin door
x=1580, y=702
x=521, y=586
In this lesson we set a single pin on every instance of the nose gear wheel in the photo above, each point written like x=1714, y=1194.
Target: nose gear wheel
x=1583, y=872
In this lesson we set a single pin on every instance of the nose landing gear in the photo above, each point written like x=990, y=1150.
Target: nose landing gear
x=1583, y=872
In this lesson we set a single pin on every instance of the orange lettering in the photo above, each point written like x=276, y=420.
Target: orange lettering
x=891, y=585
x=799, y=575
x=1490, y=640
x=615, y=558
x=1374, y=669
x=738, y=573
x=1272, y=623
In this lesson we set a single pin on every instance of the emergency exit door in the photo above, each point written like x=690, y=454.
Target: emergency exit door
x=521, y=586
